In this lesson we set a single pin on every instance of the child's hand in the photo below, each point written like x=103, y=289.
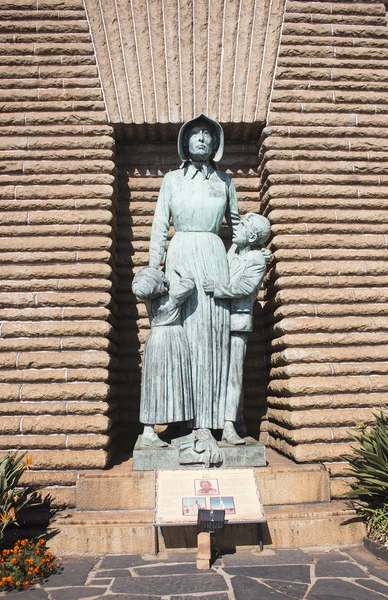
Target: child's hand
x=267, y=254
x=208, y=286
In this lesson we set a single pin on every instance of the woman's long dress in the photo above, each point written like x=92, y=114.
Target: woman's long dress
x=197, y=202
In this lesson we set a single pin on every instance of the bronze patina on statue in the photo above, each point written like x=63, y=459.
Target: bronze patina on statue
x=200, y=308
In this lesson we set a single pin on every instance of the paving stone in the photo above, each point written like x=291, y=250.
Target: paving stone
x=74, y=593
x=333, y=589
x=130, y=597
x=267, y=557
x=376, y=549
x=180, y=569
x=203, y=582
x=113, y=573
x=292, y=590
x=298, y=573
x=31, y=594
x=180, y=557
x=157, y=576
x=100, y=581
x=73, y=572
x=248, y=589
x=374, y=585
x=117, y=561
x=338, y=569
x=221, y=596
x=375, y=566
x=330, y=557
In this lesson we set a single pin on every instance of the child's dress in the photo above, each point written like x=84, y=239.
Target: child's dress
x=166, y=387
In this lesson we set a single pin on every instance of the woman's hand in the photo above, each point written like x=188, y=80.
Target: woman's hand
x=208, y=285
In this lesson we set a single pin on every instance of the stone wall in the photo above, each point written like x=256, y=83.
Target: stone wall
x=322, y=183
x=324, y=188
x=57, y=198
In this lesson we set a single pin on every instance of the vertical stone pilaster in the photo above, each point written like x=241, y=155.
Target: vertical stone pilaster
x=57, y=197
x=324, y=188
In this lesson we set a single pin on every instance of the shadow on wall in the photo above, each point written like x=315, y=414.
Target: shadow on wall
x=140, y=170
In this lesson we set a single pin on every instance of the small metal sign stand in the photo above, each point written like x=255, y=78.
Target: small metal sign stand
x=208, y=521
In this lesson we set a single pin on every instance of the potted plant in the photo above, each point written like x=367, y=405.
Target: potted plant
x=369, y=468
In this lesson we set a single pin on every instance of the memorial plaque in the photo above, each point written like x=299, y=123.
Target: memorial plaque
x=180, y=493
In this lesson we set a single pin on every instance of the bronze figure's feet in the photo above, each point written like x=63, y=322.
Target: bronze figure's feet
x=152, y=440
x=230, y=435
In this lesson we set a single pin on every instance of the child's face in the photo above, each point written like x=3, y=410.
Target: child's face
x=242, y=234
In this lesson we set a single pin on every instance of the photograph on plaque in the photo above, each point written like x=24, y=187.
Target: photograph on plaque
x=206, y=487
x=191, y=506
x=225, y=503
x=178, y=497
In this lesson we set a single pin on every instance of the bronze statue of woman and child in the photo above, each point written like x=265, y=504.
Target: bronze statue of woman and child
x=200, y=305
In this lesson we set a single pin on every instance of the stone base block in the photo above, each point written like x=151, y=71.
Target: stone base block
x=251, y=454
x=322, y=525
x=120, y=488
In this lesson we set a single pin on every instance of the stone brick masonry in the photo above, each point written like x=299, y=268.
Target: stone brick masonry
x=324, y=188
x=57, y=198
x=322, y=183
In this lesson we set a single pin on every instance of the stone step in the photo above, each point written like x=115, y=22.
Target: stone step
x=280, y=482
x=132, y=532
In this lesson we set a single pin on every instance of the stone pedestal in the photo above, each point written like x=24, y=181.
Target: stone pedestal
x=204, y=551
x=252, y=454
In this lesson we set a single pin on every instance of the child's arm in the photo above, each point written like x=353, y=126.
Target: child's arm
x=249, y=280
x=182, y=290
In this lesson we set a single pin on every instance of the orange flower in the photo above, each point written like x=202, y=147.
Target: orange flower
x=41, y=542
x=28, y=461
x=26, y=583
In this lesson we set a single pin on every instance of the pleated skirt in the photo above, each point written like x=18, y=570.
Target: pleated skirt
x=206, y=322
x=166, y=388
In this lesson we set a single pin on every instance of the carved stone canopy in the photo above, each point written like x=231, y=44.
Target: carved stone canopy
x=166, y=61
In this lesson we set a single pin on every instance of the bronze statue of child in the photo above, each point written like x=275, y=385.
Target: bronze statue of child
x=247, y=266
x=166, y=387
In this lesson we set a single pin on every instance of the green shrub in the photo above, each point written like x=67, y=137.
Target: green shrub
x=369, y=468
x=369, y=463
x=12, y=498
x=377, y=523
